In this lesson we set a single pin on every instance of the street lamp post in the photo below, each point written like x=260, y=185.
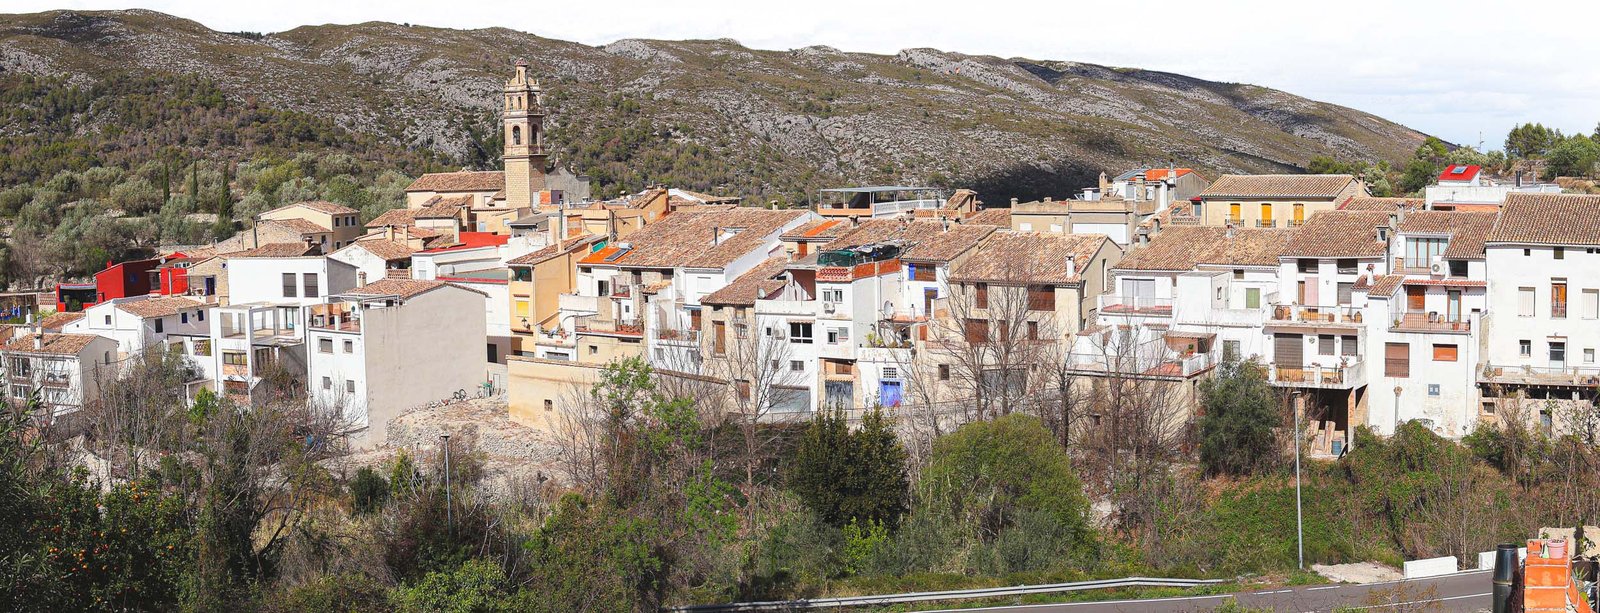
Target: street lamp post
x=1299, y=525
x=449, y=521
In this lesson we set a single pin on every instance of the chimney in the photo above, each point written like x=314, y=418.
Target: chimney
x=38, y=341
x=1519, y=178
x=1013, y=202
x=1049, y=199
x=1229, y=232
x=361, y=278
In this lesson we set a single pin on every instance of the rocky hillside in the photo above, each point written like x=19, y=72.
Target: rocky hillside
x=717, y=116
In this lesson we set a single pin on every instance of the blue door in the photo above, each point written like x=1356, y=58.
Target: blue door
x=889, y=393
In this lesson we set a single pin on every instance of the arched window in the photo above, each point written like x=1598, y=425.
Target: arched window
x=516, y=135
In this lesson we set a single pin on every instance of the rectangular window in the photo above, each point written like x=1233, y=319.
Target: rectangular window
x=1252, y=297
x=327, y=383
x=161, y=324
x=1033, y=330
x=1558, y=354
x=1560, y=253
x=1525, y=348
x=1591, y=304
x=1397, y=360
x=1345, y=292
x=1588, y=356
x=1235, y=212
x=1525, y=302
x=310, y=279
x=1325, y=344
x=183, y=318
x=1347, y=346
x=981, y=299
x=833, y=295
x=800, y=332
x=1458, y=268
x=1444, y=353
x=289, y=286
x=924, y=272
x=324, y=345
x=1305, y=265
x=1421, y=251
x=1238, y=274
x=976, y=330
x=1558, y=299
x=349, y=386
x=797, y=366
x=944, y=372
x=522, y=308
x=1041, y=298
x=1347, y=266
x=233, y=358
x=350, y=347
x=1230, y=350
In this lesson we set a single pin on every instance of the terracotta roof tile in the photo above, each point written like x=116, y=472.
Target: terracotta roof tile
x=54, y=344
x=758, y=282
x=441, y=207
x=404, y=288
x=1339, y=234
x=1548, y=219
x=1385, y=285
x=1030, y=257
x=279, y=250
x=993, y=217
x=1370, y=203
x=821, y=229
x=462, y=181
x=322, y=206
x=700, y=239
x=1467, y=231
x=59, y=320
x=949, y=244
x=1277, y=186
x=550, y=251
x=296, y=224
x=1185, y=247
x=394, y=217
x=158, y=306
x=389, y=250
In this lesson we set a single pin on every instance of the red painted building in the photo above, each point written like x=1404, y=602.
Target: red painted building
x=120, y=280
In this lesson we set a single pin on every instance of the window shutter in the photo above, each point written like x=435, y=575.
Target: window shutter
x=1397, y=360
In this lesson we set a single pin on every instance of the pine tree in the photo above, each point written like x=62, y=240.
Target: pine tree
x=194, y=181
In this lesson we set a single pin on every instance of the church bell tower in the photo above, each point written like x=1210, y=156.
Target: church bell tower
x=523, y=119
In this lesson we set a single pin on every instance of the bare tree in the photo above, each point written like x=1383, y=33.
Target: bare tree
x=756, y=365
x=994, y=334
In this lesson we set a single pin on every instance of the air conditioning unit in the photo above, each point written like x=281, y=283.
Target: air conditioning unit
x=830, y=307
x=1438, y=268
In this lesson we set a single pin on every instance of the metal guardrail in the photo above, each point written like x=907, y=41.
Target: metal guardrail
x=991, y=592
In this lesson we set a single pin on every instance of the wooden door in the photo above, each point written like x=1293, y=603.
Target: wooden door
x=1416, y=298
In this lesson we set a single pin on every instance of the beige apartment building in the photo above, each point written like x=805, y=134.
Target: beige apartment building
x=1270, y=201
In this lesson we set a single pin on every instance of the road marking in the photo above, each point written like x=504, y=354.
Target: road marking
x=1402, y=604
x=1325, y=587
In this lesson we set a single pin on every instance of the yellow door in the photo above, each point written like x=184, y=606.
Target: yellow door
x=1299, y=214
x=1266, y=215
x=1234, y=212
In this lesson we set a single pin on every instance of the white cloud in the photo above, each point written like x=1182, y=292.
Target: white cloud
x=1451, y=69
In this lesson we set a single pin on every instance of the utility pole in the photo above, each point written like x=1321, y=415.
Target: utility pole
x=1299, y=523
x=449, y=521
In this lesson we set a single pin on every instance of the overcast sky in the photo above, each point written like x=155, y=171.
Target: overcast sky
x=1452, y=69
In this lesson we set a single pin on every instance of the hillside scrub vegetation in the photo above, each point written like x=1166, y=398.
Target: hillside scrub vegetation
x=213, y=508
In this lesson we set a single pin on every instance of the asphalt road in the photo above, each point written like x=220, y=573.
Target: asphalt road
x=1461, y=592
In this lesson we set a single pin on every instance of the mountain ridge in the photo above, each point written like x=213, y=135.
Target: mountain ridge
x=712, y=114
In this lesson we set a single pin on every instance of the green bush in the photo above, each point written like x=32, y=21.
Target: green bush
x=369, y=491
x=1238, y=433
x=847, y=475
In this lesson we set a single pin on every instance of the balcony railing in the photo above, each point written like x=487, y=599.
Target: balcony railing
x=878, y=209
x=1520, y=374
x=845, y=274
x=1112, y=304
x=617, y=327
x=1296, y=313
x=1317, y=375
x=1266, y=223
x=1185, y=220
x=1430, y=322
x=1558, y=310
x=1295, y=223
x=673, y=334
